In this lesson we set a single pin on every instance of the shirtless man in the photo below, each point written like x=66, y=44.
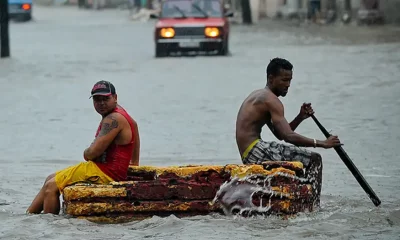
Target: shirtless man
x=116, y=145
x=264, y=107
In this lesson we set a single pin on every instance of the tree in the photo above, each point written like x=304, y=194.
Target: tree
x=4, y=38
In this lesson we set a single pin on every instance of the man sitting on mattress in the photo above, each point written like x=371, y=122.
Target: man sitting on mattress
x=115, y=147
x=262, y=107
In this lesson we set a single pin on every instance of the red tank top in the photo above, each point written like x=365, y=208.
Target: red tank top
x=118, y=156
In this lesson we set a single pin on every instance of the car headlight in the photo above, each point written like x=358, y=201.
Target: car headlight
x=167, y=32
x=26, y=6
x=211, y=32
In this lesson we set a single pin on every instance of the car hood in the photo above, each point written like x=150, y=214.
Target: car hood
x=189, y=22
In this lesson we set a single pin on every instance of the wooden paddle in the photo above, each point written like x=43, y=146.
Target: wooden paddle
x=350, y=165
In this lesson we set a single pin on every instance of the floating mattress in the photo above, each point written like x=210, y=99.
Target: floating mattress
x=280, y=188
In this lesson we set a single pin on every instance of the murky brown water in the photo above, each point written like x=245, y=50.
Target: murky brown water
x=186, y=110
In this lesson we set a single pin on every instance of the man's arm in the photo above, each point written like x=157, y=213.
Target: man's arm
x=110, y=128
x=295, y=123
x=272, y=128
x=285, y=131
x=305, y=112
x=136, y=149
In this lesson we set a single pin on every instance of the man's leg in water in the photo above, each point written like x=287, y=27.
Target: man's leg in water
x=37, y=203
x=81, y=172
x=51, y=202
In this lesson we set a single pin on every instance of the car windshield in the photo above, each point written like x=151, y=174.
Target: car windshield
x=191, y=8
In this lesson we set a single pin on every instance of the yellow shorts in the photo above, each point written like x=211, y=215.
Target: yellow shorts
x=84, y=172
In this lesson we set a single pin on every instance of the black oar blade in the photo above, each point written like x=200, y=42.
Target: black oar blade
x=350, y=165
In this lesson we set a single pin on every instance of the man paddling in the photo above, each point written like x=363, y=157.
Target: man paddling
x=116, y=145
x=263, y=107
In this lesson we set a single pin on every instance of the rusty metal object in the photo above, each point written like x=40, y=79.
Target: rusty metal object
x=288, y=188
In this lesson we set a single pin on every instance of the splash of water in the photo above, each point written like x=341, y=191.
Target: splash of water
x=236, y=195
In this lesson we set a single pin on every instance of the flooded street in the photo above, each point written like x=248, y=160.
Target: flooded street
x=186, y=111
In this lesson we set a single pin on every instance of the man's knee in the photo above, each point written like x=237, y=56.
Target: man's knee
x=51, y=186
x=316, y=159
x=50, y=177
x=316, y=156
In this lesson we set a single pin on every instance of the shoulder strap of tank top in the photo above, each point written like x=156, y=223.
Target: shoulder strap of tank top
x=123, y=112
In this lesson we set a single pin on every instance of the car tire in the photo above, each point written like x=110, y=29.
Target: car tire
x=224, y=50
x=24, y=17
x=28, y=17
x=161, y=51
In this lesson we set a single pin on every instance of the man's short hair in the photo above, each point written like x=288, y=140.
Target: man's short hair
x=276, y=64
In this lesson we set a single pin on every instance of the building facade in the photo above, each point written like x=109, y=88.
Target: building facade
x=388, y=9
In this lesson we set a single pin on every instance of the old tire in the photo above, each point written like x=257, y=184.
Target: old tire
x=224, y=50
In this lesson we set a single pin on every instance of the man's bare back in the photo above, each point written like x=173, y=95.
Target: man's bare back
x=252, y=116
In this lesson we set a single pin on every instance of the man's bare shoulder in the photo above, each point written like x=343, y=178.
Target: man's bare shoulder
x=109, y=123
x=264, y=97
x=113, y=115
x=116, y=119
x=133, y=120
x=271, y=100
x=130, y=116
x=257, y=96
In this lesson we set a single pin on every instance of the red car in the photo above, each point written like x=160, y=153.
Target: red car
x=191, y=25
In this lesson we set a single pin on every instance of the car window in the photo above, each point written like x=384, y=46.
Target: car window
x=175, y=8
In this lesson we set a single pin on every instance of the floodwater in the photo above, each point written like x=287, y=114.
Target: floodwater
x=186, y=110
